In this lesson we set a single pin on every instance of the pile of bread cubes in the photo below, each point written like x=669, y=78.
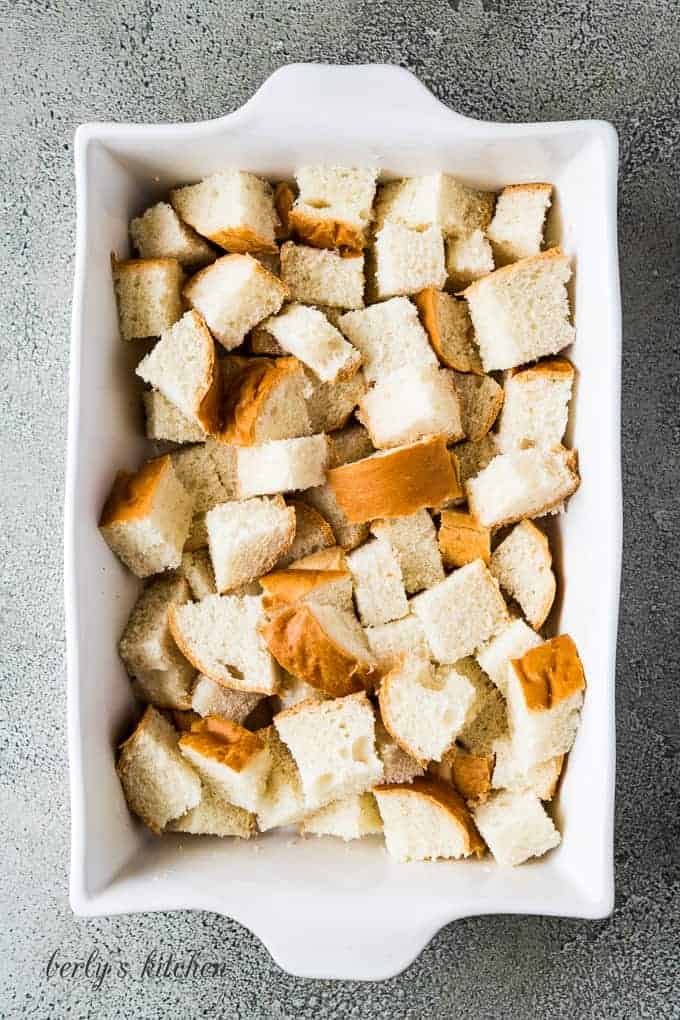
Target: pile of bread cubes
x=361, y=414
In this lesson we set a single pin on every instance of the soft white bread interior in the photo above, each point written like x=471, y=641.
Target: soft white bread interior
x=408, y=260
x=220, y=636
x=350, y=818
x=293, y=690
x=522, y=483
x=389, y=336
x=425, y=820
x=390, y=641
x=286, y=465
x=149, y=296
x=146, y=642
x=160, y=233
x=333, y=744
x=515, y=827
x=223, y=457
x=233, y=295
x=165, y=421
x=536, y=405
x=462, y=539
x=263, y=400
x=197, y=568
x=510, y=774
x=166, y=688
x=230, y=759
x=468, y=258
x=378, y=583
x=246, y=538
x=282, y=802
x=487, y=719
x=232, y=208
x=412, y=403
x=521, y=312
x=146, y=518
x=307, y=333
x=510, y=643
x=334, y=205
x=435, y=200
x=326, y=585
x=398, y=766
x=314, y=276
x=449, y=328
x=461, y=612
x=158, y=784
x=215, y=816
x=330, y=405
x=480, y=399
x=522, y=565
x=198, y=471
x=413, y=540
x=516, y=230
x=211, y=698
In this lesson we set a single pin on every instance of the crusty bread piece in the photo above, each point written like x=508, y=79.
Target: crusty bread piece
x=282, y=802
x=413, y=540
x=398, y=766
x=314, y=276
x=516, y=230
x=160, y=233
x=232, y=208
x=396, y=482
x=330, y=405
x=462, y=539
x=473, y=457
x=350, y=818
x=522, y=483
x=425, y=820
x=182, y=366
x=246, y=538
x=408, y=260
x=328, y=586
x=198, y=570
x=449, y=327
x=231, y=760
x=480, y=398
x=158, y=784
x=149, y=296
x=390, y=641
x=197, y=470
x=545, y=693
x=515, y=827
x=211, y=698
x=536, y=405
x=487, y=718
x=285, y=194
x=469, y=773
x=285, y=465
x=264, y=400
x=412, y=403
x=467, y=259
x=332, y=743
x=146, y=642
x=510, y=643
x=215, y=816
x=146, y=518
x=462, y=612
x=293, y=690
x=223, y=457
x=166, y=688
x=389, y=336
x=261, y=341
x=220, y=636
x=307, y=333
x=424, y=707
x=522, y=566
x=348, y=445
x=521, y=312
x=165, y=421
x=233, y=295
x=322, y=645
x=312, y=534
x=333, y=208
x=322, y=498
x=509, y=774
x=436, y=200
x=378, y=583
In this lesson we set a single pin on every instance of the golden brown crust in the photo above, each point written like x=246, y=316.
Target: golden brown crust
x=299, y=643
x=285, y=587
x=183, y=719
x=532, y=186
x=326, y=233
x=223, y=741
x=132, y=494
x=462, y=539
x=242, y=240
x=471, y=774
x=426, y=303
x=284, y=199
x=246, y=396
x=550, y=673
x=396, y=483
x=513, y=267
x=556, y=368
x=444, y=796
x=333, y=558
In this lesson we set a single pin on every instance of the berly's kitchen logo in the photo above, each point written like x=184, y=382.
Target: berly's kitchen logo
x=96, y=968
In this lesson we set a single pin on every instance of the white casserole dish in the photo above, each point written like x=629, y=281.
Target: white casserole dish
x=324, y=909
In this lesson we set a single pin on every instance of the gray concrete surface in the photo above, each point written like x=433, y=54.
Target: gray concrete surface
x=64, y=63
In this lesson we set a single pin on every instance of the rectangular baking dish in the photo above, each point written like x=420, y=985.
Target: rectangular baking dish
x=324, y=909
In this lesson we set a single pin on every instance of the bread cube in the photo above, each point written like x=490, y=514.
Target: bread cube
x=307, y=333
x=196, y=469
x=398, y=766
x=468, y=258
x=214, y=816
x=246, y=538
x=322, y=498
x=282, y=802
x=146, y=518
x=312, y=534
x=220, y=636
x=516, y=230
x=378, y=583
x=462, y=612
x=165, y=421
x=510, y=774
x=389, y=337
x=158, y=784
x=437, y=200
x=536, y=405
x=351, y=818
x=521, y=312
x=197, y=569
x=146, y=643
x=314, y=276
x=426, y=820
x=160, y=233
x=469, y=773
x=487, y=718
x=510, y=643
x=293, y=690
x=149, y=296
x=330, y=405
x=264, y=401
x=333, y=208
x=211, y=698
x=166, y=688
x=390, y=641
x=413, y=540
x=304, y=581
x=285, y=194
x=424, y=707
x=480, y=398
x=474, y=456
x=449, y=328
x=410, y=404
x=285, y=465
x=407, y=260
x=544, y=694
x=515, y=827
x=233, y=295
x=522, y=566
x=522, y=483
x=462, y=539
x=333, y=744
x=232, y=208
x=232, y=761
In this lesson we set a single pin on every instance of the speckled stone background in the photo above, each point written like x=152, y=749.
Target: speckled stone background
x=64, y=63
